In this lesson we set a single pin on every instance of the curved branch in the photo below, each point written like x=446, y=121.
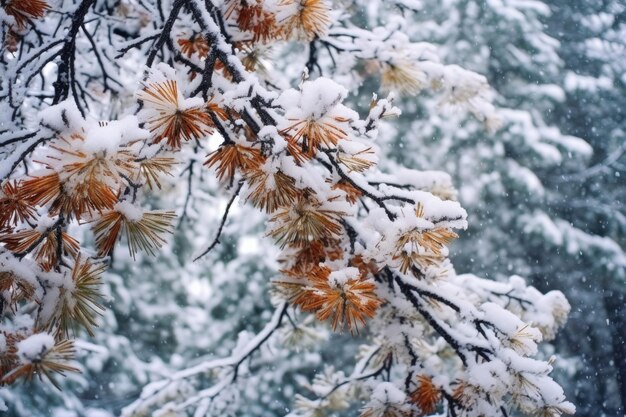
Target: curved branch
x=154, y=389
x=216, y=241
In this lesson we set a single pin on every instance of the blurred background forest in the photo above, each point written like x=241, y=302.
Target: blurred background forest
x=545, y=195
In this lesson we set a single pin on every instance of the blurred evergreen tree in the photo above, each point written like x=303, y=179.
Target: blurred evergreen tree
x=593, y=50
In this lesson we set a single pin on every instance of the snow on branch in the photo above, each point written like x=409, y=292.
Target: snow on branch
x=155, y=392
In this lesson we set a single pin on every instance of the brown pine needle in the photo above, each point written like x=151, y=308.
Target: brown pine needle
x=403, y=77
x=305, y=258
x=144, y=234
x=230, y=158
x=271, y=191
x=15, y=289
x=316, y=134
x=86, y=198
x=168, y=121
x=307, y=20
x=303, y=222
x=106, y=230
x=352, y=194
x=152, y=168
x=46, y=364
x=253, y=18
x=422, y=248
x=87, y=195
x=82, y=304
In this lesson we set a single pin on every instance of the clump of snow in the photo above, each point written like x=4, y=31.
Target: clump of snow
x=504, y=320
x=490, y=376
x=34, y=347
x=130, y=211
x=388, y=393
x=160, y=73
x=315, y=100
x=62, y=117
x=23, y=269
x=341, y=277
x=105, y=138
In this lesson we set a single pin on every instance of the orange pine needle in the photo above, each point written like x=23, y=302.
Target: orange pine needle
x=86, y=194
x=352, y=193
x=426, y=396
x=348, y=303
x=303, y=222
x=85, y=198
x=422, y=247
x=217, y=110
x=22, y=10
x=41, y=190
x=271, y=191
x=305, y=258
x=170, y=121
x=106, y=230
x=232, y=157
x=316, y=134
x=144, y=233
x=196, y=44
x=46, y=245
x=14, y=208
x=253, y=18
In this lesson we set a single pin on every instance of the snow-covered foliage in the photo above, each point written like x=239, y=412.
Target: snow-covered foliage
x=362, y=245
x=544, y=193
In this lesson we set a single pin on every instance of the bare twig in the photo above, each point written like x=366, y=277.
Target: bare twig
x=216, y=241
